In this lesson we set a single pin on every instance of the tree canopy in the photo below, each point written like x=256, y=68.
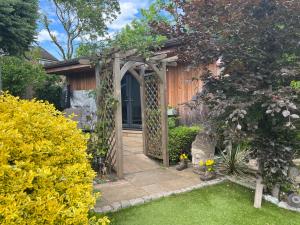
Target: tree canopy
x=140, y=33
x=252, y=100
x=17, y=25
x=80, y=19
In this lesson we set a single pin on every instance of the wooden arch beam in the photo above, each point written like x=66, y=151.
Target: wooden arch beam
x=157, y=71
x=127, y=66
x=136, y=75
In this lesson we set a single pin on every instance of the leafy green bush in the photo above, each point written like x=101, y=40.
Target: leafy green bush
x=172, y=122
x=21, y=77
x=180, y=140
x=50, y=90
x=18, y=75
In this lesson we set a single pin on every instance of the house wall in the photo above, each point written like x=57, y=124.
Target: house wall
x=84, y=80
x=183, y=83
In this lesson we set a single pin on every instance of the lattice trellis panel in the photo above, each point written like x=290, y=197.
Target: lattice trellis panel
x=107, y=115
x=153, y=117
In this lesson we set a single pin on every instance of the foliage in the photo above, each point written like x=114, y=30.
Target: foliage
x=100, y=140
x=89, y=49
x=99, y=221
x=180, y=141
x=18, y=75
x=225, y=204
x=51, y=90
x=295, y=84
x=234, y=160
x=45, y=177
x=258, y=42
x=172, y=122
x=17, y=25
x=79, y=19
x=139, y=34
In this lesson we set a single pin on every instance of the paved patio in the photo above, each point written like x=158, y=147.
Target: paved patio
x=143, y=176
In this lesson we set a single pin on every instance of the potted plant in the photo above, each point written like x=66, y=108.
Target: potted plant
x=207, y=169
x=183, y=164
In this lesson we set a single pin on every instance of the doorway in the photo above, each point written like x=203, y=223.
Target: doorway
x=131, y=103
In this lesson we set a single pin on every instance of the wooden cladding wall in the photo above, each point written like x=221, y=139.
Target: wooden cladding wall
x=84, y=80
x=182, y=85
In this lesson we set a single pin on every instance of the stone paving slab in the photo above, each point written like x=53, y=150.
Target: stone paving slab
x=115, y=206
x=149, y=182
x=145, y=180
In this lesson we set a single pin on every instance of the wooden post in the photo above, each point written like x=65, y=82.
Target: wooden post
x=118, y=115
x=142, y=91
x=259, y=187
x=97, y=76
x=258, y=192
x=164, y=113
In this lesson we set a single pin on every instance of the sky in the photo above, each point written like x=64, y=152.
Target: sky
x=129, y=11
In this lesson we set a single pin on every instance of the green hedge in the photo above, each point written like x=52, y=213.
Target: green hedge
x=180, y=140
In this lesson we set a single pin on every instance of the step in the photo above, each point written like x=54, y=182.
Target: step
x=133, y=133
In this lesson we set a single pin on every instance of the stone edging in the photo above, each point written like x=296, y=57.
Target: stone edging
x=116, y=206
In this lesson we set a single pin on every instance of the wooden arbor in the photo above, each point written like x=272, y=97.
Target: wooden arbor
x=151, y=75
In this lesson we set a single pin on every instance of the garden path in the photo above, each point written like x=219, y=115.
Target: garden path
x=143, y=176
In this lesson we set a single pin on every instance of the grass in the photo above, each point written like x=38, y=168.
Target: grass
x=223, y=204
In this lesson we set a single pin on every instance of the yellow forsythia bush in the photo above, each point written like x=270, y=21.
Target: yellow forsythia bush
x=45, y=176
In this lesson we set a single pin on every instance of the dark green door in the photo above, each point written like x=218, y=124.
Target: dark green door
x=131, y=103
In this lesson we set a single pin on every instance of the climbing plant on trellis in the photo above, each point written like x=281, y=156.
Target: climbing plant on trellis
x=106, y=125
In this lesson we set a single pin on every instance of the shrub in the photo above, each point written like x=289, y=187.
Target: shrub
x=180, y=140
x=234, y=160
x=51, y=90
x=45, y=176
x=18, y=75
x=172, y=122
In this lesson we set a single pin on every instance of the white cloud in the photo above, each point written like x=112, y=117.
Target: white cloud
x=43, y=36
x=129, y=11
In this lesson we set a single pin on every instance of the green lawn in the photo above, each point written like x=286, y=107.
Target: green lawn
x=223, y=204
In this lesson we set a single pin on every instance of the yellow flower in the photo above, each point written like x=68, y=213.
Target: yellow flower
x=183, y=156
x=201, y=163
x=210, y=162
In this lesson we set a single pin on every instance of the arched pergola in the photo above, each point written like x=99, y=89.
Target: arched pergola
x=151, y=75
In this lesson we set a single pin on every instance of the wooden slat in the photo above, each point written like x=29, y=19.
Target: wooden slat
x=164, y=114
x=181, y=87
x=67, y=69
x=142, y=91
